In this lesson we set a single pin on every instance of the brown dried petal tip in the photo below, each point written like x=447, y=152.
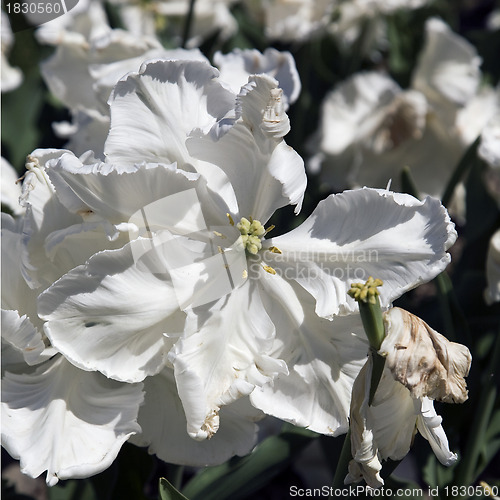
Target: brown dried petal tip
x=423, y=360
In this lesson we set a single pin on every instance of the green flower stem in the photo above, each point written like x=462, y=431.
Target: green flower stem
x=175, y=474
x=371, y=315
x=408, y=183
x=459, y=172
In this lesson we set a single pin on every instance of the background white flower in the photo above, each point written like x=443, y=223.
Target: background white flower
x=11, y=77
x=371, y=128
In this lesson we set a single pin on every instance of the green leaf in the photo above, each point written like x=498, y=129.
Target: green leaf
x=169, y=492
x=20, y=112
x=239, y=477
x=482, y=211
x=436, y=475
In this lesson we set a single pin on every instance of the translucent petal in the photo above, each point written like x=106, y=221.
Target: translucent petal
x=155, y=110
x=362, y=233
x=323, y=359
x=110, y=315
x=222, y=356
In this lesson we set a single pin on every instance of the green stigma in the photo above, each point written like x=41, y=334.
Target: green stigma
x=366, y=292
x=252, y=232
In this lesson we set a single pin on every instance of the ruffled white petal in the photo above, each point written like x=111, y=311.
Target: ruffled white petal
x=323, y=358
x=380, y=431
x=155, y=110
x=70, y=75
x=111, y=314
x=19, y=333
x=16, y=294
x=117, y=192
x=86, y=21
x=429, y=425
x=236, y=66
x=163, y=425
x=67, y=422
x=107, y=74
x=362, y=233
x=222, y=356
x=44, y=215
x=87, y=132
x=265, y=173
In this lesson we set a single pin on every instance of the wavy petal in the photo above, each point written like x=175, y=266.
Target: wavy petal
x=163, y=425
x=355, y=109
x=155, y=110
x=19, y=333
x=111, y=314
x=264, y=172
x=362, y=233
x=44, y=215
x=382, y=430
x=236, y=66
x=16, y=294
x=224, y=358
x=429, y=425
x=65, y=421
x=117, y=192
x=323, y=358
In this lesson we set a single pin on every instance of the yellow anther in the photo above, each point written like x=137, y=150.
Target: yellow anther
x=253, y=244
x=257, y=228
x=220, y=235
x=270, y=228
x=274, y=250
x=244, y=274
x=366, y=292
x=231, y=221
x=269, y=269
x=252, y=231
x=244, y=225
